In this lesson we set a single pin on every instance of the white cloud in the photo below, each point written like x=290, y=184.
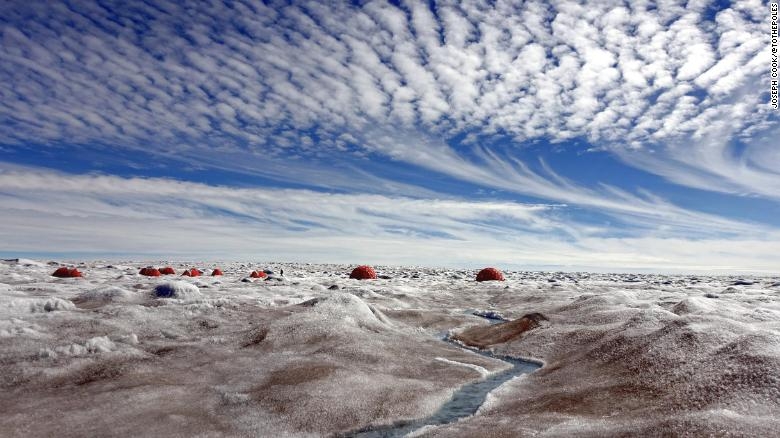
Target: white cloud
x=144, y=216
x=713, y=160
x=275, y=92
x=491, y=170
x=531, y=71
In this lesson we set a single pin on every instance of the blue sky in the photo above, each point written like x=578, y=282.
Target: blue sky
x=555, y=135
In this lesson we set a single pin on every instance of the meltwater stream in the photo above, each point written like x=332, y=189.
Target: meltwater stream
x=465, y=401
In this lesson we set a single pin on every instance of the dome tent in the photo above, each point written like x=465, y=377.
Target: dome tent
x=191, y=273
x=167, y=271
x=176, y=289
x=490, y=274
x=363, y=272
x=216, y=272
x=258, y=274
x=149, y=271
x=64, y=272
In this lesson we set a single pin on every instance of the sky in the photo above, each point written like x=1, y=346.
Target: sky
x=563, y=135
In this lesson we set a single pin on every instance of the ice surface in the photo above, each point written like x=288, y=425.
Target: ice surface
x=482, y=371
x=104, y=295
x=317, y=354
x=23, y=262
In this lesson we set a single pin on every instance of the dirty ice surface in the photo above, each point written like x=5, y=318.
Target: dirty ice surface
x=314, y=353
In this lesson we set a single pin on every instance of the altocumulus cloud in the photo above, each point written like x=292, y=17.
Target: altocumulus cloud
x=626, y=75
x=672, y=89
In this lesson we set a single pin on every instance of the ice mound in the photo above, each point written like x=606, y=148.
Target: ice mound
x=339, y=316
x=348, y=307
x=104, y=295
x=177, y=289
x=50, y=305
x=98, y=344
x=694, y=305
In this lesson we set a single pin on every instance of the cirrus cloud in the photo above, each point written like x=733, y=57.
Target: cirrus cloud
x=155, y=217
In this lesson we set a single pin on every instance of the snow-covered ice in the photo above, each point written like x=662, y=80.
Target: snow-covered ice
x=314, y=353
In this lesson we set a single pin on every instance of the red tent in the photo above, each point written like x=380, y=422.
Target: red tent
x=363, y=273
x=258, y=274
x=191, y=273
x=66, y=272
x=216, y=272
x=149, y=272
x=490, y=274
x=167, y=271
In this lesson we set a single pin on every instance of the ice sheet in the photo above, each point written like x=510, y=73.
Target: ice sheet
x=315, y=353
